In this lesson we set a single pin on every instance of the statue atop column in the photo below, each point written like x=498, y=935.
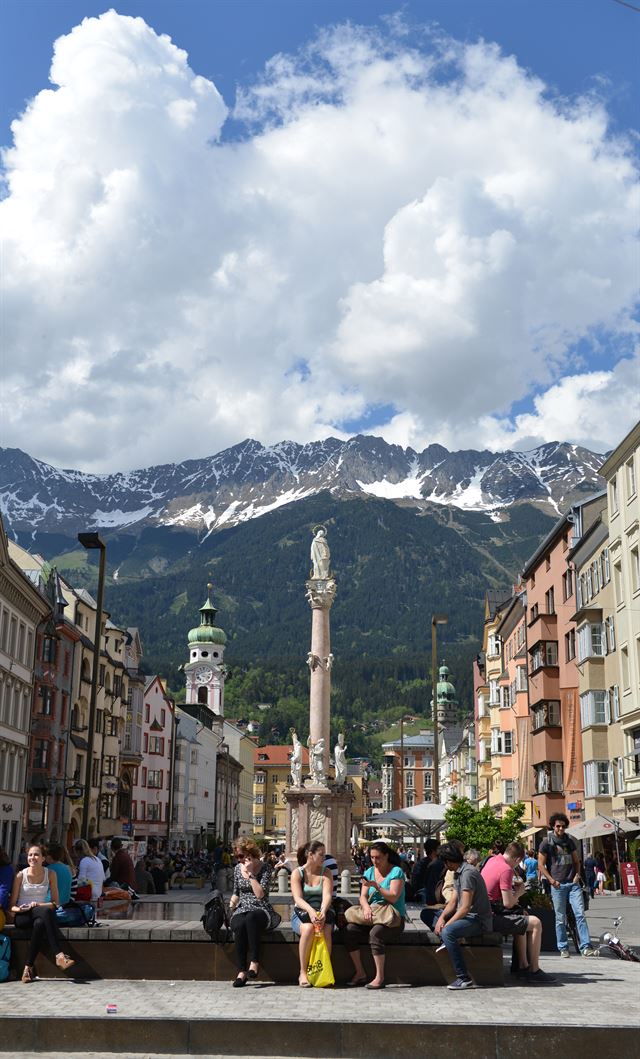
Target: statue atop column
x=296, y=760
x=320, y=555
x=340, y=761
x=316, y=762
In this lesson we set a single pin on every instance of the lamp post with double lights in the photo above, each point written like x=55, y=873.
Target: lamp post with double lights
x=436, y=619
x=92, y=541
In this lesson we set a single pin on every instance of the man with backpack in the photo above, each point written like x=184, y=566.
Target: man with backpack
x=559, y=864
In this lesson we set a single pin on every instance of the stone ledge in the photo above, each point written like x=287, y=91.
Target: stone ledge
x=309, y=1039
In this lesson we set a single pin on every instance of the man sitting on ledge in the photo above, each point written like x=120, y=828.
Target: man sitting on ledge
x=466, y=914
x=505, y=889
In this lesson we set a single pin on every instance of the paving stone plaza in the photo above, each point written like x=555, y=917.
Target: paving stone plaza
x=595, y=1005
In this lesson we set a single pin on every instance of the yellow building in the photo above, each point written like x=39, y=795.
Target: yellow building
x=271, y=776
x=488, y=700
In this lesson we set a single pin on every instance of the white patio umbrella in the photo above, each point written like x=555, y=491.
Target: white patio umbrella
x=601, y=825
x=425, y=819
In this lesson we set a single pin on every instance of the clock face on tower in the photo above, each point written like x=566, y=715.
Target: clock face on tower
x=203, y=674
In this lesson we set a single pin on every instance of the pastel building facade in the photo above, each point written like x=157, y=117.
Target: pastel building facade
x=621, y=472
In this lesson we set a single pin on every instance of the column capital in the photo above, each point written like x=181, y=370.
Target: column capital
x=321, y=592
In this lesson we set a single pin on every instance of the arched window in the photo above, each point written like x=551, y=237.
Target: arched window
x=203, y=695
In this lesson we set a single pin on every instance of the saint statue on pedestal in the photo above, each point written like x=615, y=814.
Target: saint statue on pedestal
x=340, y=761
x=316, y=761
x=296, y=760
x=320, y=555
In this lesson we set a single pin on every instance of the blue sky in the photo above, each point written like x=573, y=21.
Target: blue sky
x=365, y=325
x=573, y=45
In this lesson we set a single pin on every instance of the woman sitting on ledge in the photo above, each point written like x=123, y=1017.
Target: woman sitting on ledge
x=250, y=907
x=312, y=890
x=381, y=897
x=34, y=899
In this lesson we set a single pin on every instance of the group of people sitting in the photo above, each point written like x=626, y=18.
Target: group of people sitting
x=52, y=879
x=463, y=896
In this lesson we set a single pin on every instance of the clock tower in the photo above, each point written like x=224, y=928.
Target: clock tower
x=205, y=671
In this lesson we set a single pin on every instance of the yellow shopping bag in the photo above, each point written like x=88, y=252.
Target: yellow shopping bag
x=319, y=969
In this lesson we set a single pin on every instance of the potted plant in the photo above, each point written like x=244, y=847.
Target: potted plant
x=540, y=904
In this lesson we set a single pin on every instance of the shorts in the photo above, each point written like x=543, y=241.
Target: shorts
x=298, y=916
x=510, y=923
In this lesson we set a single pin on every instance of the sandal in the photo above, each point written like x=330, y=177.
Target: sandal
x=304, y=985
x=64, y=962
x=28, y=975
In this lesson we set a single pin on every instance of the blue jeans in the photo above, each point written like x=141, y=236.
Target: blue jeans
x=462, y=928
x=571, y=892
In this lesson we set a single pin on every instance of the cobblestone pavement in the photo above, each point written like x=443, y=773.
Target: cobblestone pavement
x=598, y=992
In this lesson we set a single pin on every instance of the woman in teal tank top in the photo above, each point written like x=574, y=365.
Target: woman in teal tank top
x=312, y=890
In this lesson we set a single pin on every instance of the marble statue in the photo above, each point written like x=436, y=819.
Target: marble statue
x=320, y=555
x=340, y=760
x=316, y=761
x=312, y=661
x=296, y=760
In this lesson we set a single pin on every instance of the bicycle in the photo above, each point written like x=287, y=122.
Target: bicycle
x=611, y=944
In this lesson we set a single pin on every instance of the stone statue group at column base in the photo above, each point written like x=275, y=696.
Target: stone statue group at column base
x=317, y=776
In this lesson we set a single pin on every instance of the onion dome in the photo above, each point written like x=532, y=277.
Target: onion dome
x=207, y=631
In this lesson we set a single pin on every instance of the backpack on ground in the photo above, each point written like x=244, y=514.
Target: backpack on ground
x=78, y=914
x=215, y=918
x=5, y=957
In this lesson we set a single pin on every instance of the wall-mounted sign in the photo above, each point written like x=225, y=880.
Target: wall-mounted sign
x=74, y=792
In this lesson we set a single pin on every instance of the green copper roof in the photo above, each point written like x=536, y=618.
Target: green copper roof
x=446, y=691
x=207, y=631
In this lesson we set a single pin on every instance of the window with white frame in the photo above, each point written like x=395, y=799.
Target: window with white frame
x=494, y=693
x=481, y=706
x=590, y=641
x=620, y=783
x=409, y=779
x=597, y=778
x=259, y=799
x=570, y=645
x=631, y=478
x=634, y=756
x=605, y=566
x=409, y=799
x=624, y=666
x=549, y=777
x=594, y=708
x=494, y=645
x=545, y=714
x=635, y=569
x=614, y=699
x=567, y=585
x=505, y=697
x=617, y=584
x=507, y=742
x=544, y=653
x=496, y=741
x=521, y=678
x=508, y=792
x=610, y=634
x=259, y=777
x=258, y=821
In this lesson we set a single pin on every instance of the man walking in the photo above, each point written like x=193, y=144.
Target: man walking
x=466, y=914
x=559, y=864
x=504, y=891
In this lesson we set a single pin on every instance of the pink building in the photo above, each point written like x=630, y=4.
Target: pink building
x=152, y=780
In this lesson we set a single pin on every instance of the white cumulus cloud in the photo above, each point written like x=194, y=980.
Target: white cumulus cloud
x=424, y=229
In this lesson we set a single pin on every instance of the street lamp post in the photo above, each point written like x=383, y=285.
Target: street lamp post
x=93, y=541
x=436, y=619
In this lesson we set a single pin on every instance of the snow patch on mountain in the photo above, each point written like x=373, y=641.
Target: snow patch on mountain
x=111, y=519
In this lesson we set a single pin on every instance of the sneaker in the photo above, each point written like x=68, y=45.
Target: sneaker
x=441, y=948
x=588, y=951
x=565, y=954
x=541, y=977
x=461, y=983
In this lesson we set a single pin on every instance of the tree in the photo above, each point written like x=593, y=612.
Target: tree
x=480, y=828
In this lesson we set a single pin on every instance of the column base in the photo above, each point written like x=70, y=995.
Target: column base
x=320, y=814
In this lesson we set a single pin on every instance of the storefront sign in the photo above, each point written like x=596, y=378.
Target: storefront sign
x=630, y=879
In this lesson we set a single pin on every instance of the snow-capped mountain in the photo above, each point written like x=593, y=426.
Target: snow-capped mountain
x=250, y=479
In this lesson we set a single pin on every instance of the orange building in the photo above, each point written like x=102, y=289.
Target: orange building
x=556, y=738
x=511, y=742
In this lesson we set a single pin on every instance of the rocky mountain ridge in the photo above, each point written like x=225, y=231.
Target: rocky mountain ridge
x=250, y=479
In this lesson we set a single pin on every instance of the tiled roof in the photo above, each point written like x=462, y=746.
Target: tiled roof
x=276, y=755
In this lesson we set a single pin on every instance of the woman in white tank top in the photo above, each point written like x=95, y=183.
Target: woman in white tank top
x=34, y=898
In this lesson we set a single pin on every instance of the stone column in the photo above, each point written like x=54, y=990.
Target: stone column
x=320, y=594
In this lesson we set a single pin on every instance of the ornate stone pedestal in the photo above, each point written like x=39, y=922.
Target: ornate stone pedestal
x=320, y=814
